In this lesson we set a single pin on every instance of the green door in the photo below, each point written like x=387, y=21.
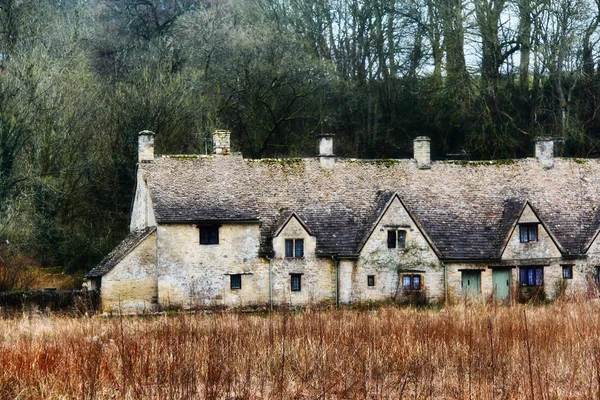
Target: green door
x=471, y=285
x=501, y=281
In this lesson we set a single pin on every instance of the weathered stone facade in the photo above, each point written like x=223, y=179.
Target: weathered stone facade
x=223, y=231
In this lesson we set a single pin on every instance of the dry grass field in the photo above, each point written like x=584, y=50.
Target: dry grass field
x=479, y=352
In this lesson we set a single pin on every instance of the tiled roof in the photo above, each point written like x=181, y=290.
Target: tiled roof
x=119, y=252
x=466, y=209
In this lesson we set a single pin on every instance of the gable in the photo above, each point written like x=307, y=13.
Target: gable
x=396, y=218
x=128, y=245
x=294, y=229
x=542, y=248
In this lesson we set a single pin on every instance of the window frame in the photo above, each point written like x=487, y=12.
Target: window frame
x=298, y=279
x=296, y=250
x=530, y=273
x=567, y=271
x=370, y=280
x=396, y=238
x=526, y=230
x=235, y=285
x=411, y=287
x=205, y=231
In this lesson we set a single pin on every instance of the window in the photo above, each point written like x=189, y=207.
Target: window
x=235, y=281
x=294, y=248
x=528, y=233
x=396, y=239
x=411, y=283
x=209, y=234
x=296, y=282
x=532, y=276
x=567, y=271
x=370, y=280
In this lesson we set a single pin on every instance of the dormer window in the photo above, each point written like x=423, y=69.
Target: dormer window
x=209, y=234
x=294, y=248
x=396, y=239
x=528, y=233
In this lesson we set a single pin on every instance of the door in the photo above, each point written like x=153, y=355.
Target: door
x=501, y=281
x=471, y=283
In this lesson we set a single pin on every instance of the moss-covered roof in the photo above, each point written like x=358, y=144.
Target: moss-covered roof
x=466, y=208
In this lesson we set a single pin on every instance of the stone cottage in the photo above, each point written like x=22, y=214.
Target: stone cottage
x=221, y=230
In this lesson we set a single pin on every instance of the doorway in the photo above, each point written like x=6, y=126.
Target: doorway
x=501, y=282
x=471, y=283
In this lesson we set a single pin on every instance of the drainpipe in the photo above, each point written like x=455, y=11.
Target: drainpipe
x=270, y=282
x=445, y=284
x=336, y=265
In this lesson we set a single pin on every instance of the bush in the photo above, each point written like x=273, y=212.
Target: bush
x=16, y=274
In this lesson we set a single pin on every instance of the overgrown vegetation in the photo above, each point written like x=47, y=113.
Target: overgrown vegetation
x=481, y=352
x=79, y=80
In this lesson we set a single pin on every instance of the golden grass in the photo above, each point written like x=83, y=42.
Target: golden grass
x=481, y=352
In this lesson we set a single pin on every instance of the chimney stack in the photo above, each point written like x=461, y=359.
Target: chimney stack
x=145, y=146
x=326, y=156
x=544, y=152
x=422, y=151
x=222, y=142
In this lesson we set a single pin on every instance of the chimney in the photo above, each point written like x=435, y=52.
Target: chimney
x=544, y=152
x=326, y=156
x=221, y=142
x=145, y=146
x=422, y=150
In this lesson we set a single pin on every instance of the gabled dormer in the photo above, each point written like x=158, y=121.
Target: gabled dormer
x=395, y=232
x=530, y=238
x=293, y=240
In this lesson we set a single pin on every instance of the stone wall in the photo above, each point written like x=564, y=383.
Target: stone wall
x=131, y=285
x=195, y=275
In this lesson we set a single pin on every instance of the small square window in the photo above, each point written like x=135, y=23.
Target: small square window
x=396, y=239
x=296, y=282
x=532, y=276
x=370, y=280
x=294, y=248
x=209, y=234
x=411, y=283
x=235, y=281
x=528, y=233
x=567, y=271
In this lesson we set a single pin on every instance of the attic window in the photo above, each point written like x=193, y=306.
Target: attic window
x=209, y=234
x=528, y=233
x=294, y=248
x=396, y=239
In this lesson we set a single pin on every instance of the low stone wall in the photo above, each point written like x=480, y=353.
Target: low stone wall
x=59, y=301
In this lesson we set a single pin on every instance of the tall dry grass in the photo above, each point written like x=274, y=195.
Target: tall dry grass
x=482, y=352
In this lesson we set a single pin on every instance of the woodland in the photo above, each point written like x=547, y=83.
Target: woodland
x=80, y=78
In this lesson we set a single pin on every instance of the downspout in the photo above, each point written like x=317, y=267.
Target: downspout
x=336, y=266
x=270, y=282
x=445, y=284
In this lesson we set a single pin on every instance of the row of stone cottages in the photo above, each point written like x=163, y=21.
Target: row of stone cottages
x=221, y=230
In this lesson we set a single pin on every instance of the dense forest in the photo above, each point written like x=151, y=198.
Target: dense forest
x=80, y=78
